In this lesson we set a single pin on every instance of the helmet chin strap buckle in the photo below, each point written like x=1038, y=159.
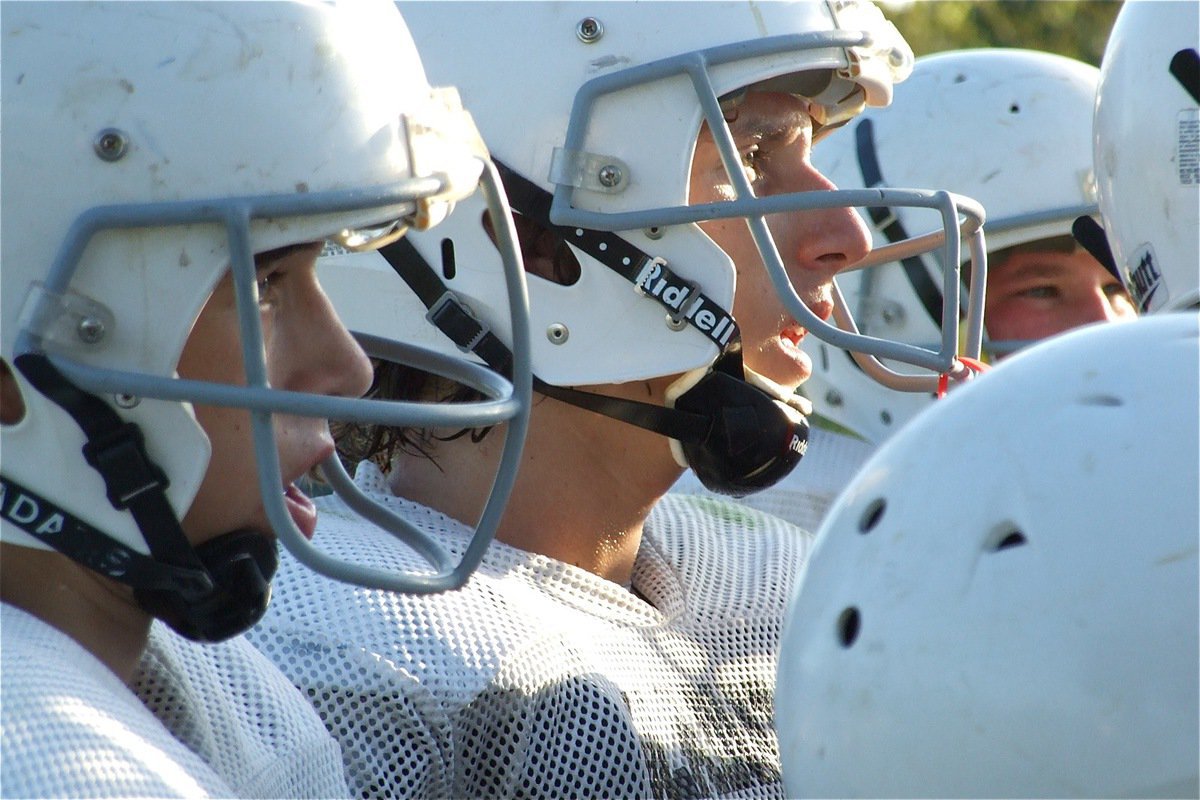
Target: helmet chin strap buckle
x=240, y=565
x=207, y=592
x=757, y=433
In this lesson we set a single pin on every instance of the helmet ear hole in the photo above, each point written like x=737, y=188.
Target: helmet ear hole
x=545, y=252
x=12, y=403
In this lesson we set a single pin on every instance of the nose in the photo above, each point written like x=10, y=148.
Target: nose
x=329, y=360
x=820, y=243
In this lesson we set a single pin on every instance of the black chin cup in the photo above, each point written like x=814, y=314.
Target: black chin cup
x=241, y=565
x=753, y=441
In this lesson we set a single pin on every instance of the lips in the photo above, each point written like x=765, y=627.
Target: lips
x=301, y=509
x=793, y=336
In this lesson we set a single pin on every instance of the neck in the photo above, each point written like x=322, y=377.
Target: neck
x=584, y=490
x=97, y=613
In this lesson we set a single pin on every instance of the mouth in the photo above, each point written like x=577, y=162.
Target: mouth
x=301, y=509
x=299, y=505
x=793, y=335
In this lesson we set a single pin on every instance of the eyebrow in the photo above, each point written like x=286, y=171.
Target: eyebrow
x=1034, y=270
x=767, y=125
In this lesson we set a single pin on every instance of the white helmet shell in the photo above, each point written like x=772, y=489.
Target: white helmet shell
x=1004, y=602
x=151, y=147
x=636, y=135
x=1147, y=152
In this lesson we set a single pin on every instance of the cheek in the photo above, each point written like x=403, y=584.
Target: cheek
x=1017, y=318
x=213, y=351
x=229, y=491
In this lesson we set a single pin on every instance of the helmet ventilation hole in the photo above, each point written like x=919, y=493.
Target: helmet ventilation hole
x=1005, y=538
x=872, y=515
x=448, y=268
x=848, y=624
x=1014, y=109
x=1102, y=400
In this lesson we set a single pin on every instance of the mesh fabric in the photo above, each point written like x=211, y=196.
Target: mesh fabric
x=205, y=721
x=540, y=679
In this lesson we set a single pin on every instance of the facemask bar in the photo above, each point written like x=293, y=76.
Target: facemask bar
x=960, y=215
x=446, y=575
x=506, y=401
x=898, y=251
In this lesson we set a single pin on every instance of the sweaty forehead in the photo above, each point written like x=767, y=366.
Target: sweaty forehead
x=775, y=110
x=1045, y=263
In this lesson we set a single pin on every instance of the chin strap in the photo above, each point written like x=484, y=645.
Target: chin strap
x=738, y=435
x=207, y=593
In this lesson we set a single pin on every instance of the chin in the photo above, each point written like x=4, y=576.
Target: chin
x=788, y=367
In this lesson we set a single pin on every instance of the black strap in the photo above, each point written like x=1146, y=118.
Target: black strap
x=1091, y=237
x=446, y=311
x=461, y=326
x=116, y=449
x=650, y=276
x=1185, y=66
x=889, y=224
x=682, y=425
x=91, y=547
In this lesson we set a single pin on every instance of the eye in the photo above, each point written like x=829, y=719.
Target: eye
x=267, y=286
x=1046, y=292
x=750, y=165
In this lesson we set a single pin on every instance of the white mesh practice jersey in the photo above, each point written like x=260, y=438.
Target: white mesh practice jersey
x=803, y=496
x=540, y=679
x=207, y=720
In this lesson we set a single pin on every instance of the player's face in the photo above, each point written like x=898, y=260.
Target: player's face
x=1038, y=293
x=307, y=350
x=773, y=132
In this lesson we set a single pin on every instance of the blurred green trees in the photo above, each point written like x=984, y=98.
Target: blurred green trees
x=1076, y=28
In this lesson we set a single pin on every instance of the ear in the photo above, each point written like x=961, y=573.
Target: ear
x=12, y=405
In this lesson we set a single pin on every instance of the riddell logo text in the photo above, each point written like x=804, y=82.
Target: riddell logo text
x=660, y=283
x=1147, y=280
x=798, y=445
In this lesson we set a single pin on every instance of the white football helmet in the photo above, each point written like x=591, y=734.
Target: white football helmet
x=1147, y=151
x=1009, y=128
x=148, y=149
x=1037, y=634
x=593, y=109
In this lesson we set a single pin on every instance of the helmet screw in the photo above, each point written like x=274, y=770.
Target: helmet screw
x=90, y=330
x=833, y=397
x=609, y=175
x=111, y=144
x=557, y=333
x=653, y=233
x=589, y=30
x=127, y=400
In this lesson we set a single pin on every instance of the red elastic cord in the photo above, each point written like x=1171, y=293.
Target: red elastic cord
x=973, y=364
